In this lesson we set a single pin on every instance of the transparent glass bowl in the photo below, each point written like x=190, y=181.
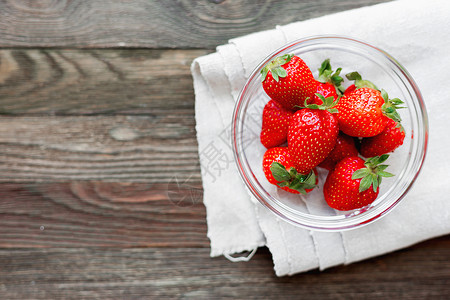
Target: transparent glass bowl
x=311, y=211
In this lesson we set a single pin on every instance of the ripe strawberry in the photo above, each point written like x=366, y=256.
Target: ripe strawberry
x=328, y=83
x=278, y=170
x=275, y=122
x=326, y=90
x=359, y=83
x=349, y=89
x=364, y=112
x=345, y=147
x=288, y=80
x=312, y=134
x=387, y=141
x=347, y=187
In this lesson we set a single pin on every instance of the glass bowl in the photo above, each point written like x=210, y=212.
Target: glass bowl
x=311, y=211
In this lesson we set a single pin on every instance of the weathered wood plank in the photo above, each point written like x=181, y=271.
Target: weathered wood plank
x=420, y=272
x=151, y=148
x=152, y=24
x=97, y=82
x=99, y=214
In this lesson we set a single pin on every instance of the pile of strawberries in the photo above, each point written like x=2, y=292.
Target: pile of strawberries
x=311, y=123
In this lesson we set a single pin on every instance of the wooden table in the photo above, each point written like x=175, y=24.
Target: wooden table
x=97, y=123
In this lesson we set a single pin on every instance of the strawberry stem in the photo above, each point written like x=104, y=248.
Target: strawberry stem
x=359, y=82
x=275, y=67
x=326, y=75
x=292, y=179
x=372, y=173
x=390, y=107
x=327, y=103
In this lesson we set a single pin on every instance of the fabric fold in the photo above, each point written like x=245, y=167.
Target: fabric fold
x=238, y=230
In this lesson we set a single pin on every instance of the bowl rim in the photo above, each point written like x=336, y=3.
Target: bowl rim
x=331, y=225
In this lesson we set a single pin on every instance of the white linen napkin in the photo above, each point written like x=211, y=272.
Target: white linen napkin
x=417, y=33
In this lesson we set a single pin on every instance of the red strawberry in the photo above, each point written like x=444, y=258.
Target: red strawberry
x=279, y=171
x=312, y=135
x=328, y=83
x=275, y=122
x=359, y=83
x=349, y=89
x=387, y=141
x=288, y=80
x=345, y=147
x=347, y=187
x=364, y=112
x=326, y=90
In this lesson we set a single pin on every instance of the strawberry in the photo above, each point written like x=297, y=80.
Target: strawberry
x=349, y=89
x=387, y=141
x=275, y=122
x=278, y=170
x=312, y=134
x=288, y=80
x=328, y=83
x=347, y=187
x=359, y=83
x=364, y=112
x=345, y=147
x=326, y=90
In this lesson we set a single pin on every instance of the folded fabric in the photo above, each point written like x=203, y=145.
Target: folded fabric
x=417, y=33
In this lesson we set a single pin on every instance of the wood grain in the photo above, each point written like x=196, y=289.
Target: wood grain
x=420, y=272
x=99, y=214
x=150, y=24
x=90, y=82
x=111, y=115
x=108, y=148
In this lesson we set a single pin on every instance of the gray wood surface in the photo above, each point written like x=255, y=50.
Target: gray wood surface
x=188, y=273
x=124, y=115
x=101, y=214
x=153, y=82
x=120, y=148
x=151, y=24
x=100, y=185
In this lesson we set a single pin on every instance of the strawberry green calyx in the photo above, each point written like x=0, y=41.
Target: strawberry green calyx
x=275, y=67
x=390, y=107
x=292, y=179
x=372, y=173
x=326, y=75
x=328, y=104
x=359, y=82
x=399, y=126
